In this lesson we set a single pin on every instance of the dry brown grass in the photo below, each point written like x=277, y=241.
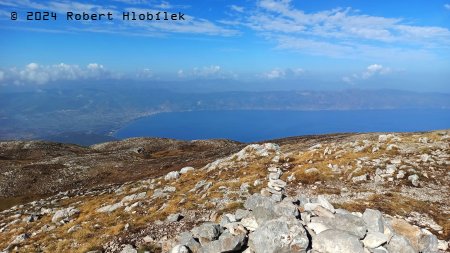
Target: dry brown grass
x=328, y=190
x=230, y=207
x=166, y=153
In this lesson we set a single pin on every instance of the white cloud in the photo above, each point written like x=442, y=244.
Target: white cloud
x=371, y=71
x=41, y=74
x=340, y=32
x=237, y=8
x=374, y=69
x=145, y=74
x=191, y=24
x=164, y=5
x=207, y=72
x=95, y=66
x=132, y=1
x=447, y=6
x=278, y=73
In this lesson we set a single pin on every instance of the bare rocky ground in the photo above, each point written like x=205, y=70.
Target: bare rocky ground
x=159, y=195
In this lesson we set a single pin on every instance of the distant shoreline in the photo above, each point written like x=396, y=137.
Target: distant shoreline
x=256, y=125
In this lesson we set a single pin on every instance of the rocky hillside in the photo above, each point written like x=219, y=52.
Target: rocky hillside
x=32, y=170
x=331, y=193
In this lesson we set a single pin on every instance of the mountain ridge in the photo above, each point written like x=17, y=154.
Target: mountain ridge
x=174, y=186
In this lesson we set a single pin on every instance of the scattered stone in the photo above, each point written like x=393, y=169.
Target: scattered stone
x=337, y=241
x=110, y=208
x=374, y=239
x=179, y=249
x=249, y=223
x=174, y=217
x=20, y=238
x=324, y=202
x=322, y=212
x=235, y=228
x=128, y=249
x=317, y=227
x=383, y=137
x=257, y=182
x=31, y=218
x=442, y=245
x=400, y=244
x=380, y=249
x=209, y=231
x=391, y=169
x=168, y=189
x=359, y=179
x=134, y=197
x=257, y=200
x=373, y=220
x=172, y=175
x=186, y=170
x=73, y=229
x=225, y=243
x=401, y=174
x=65, y=215
x=187, y=239
x=346, y=222
x=428, y=243
x=279, y=235
x=239, y=214
x=244, y=187
x=311, y=171
x=414, y=180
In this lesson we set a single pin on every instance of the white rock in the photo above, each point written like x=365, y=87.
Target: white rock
x=64, y=215
x=424, y=157
x=249, y=223
x=317, y=227
x=374, y=239
x=186, y=170
x=179, y=249
x=274, y=175
x=380, y=249
x=133, y=197
x=128, y=249
x=414, y=179
x=359, y=179
x=291, y=178
x=20, y=238
x=276, y=184
x=309, y=207
x=442, y=245
x=383, y=137
x=317, y=146
x=401, y=174
x=390, y=169
x=169, y=189
x=311, y=171
x=257, y=182
x=110, y=208
x=324, y=202
x=172, y=175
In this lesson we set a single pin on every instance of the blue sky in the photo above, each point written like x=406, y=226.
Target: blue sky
x=344, y=43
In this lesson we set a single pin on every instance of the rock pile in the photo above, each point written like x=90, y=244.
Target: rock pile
x=275, y=187
x=300, y=224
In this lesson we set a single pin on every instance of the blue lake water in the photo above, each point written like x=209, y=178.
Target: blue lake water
x=249, y=126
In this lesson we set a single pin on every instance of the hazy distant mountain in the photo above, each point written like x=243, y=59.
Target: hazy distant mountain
x=58, y=111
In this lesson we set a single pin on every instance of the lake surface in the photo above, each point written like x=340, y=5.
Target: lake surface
x=249, y=126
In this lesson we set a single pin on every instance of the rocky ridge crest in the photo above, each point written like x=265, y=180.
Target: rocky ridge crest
x=351, y=187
